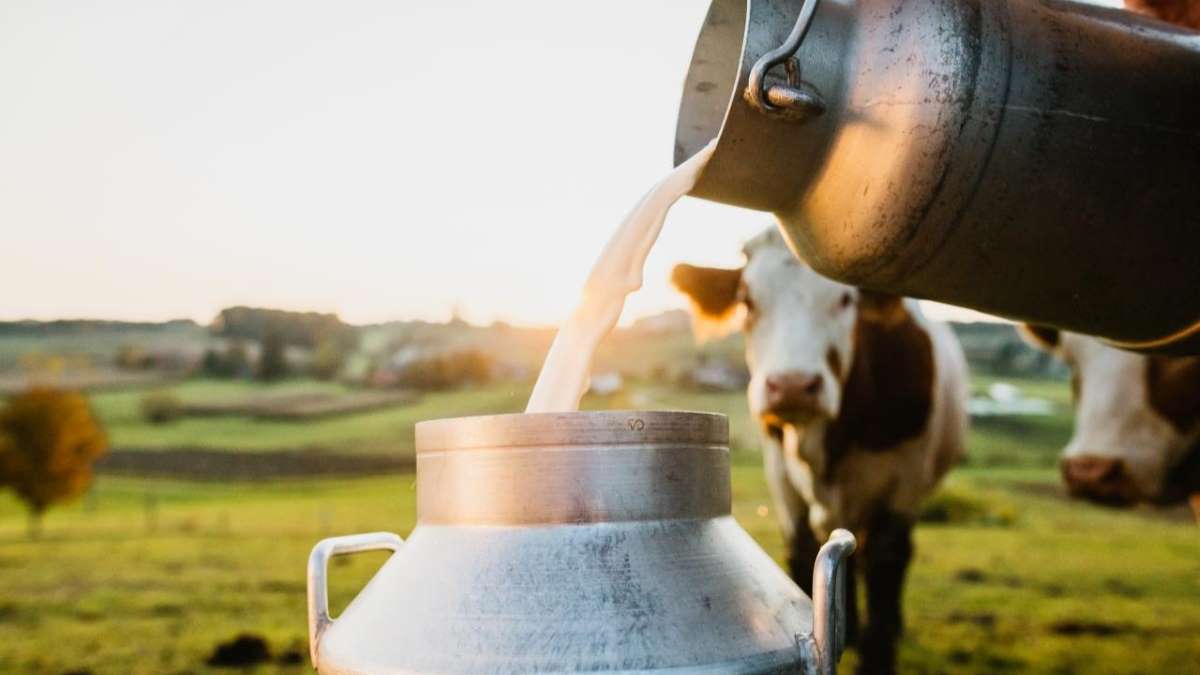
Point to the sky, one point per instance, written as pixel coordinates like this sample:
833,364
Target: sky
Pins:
378,159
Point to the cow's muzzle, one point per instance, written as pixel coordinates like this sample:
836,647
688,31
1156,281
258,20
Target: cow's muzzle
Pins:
1104,480
794,396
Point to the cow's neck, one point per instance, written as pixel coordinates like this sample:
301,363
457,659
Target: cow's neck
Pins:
888,394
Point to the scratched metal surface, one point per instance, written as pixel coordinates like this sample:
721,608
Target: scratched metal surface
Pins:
616,553
1030,158
623,597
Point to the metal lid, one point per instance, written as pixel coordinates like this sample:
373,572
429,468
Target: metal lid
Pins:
581,467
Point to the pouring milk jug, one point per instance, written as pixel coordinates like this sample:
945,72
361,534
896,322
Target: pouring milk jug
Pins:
1029,158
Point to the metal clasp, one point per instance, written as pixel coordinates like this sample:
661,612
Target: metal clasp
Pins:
797,100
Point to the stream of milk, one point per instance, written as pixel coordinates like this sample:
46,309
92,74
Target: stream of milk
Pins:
616,274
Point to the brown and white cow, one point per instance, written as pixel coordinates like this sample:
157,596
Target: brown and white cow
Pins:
1137,421
862,404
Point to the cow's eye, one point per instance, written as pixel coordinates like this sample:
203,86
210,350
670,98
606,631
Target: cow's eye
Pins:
846,300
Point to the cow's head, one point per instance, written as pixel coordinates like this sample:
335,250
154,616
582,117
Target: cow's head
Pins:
818,350
799,327
1137,421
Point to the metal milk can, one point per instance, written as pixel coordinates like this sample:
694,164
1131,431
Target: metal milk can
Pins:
578,542
1036,159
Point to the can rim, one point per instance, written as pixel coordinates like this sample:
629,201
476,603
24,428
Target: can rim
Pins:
574,429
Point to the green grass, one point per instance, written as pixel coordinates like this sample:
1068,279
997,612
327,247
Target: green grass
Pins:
146,576
388,430
112,589
1026,441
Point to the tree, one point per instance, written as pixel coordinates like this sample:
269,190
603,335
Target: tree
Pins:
272,362
233,362
237,361
212,365
133,357
298,329
327,359
48,442
446,370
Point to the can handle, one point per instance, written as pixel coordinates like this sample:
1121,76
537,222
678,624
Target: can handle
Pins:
829,599
318,569
798,100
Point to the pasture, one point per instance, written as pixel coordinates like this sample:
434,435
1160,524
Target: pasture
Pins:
384,430
148,575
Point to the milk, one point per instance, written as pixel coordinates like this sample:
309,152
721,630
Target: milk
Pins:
616,274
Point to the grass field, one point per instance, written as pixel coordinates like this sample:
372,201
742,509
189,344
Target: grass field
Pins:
387,430
146,576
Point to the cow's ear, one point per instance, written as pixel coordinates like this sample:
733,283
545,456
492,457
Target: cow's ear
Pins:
1042,337
713,294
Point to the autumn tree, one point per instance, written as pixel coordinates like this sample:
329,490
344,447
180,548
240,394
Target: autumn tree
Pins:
48,442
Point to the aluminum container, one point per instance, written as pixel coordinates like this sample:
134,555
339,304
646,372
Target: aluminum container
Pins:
1035,159
577,542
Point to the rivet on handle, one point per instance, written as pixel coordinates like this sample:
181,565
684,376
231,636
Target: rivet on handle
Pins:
797,100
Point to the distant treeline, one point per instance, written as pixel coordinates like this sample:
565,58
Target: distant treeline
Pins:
662,340
299,329
85,326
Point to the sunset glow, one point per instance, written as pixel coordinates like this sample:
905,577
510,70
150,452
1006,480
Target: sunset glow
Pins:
381,160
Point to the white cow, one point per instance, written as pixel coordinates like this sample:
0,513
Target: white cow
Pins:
1137,422
862,403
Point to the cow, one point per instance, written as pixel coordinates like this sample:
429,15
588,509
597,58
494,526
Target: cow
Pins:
862,405
1137,422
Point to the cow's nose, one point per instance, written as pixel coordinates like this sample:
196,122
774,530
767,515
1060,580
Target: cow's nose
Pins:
1105,480
794,391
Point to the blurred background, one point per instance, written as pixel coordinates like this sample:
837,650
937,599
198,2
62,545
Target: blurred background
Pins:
246,247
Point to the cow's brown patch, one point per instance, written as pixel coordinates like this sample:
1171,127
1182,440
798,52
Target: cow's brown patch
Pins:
712,290
1173,389
1179,12
888,395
